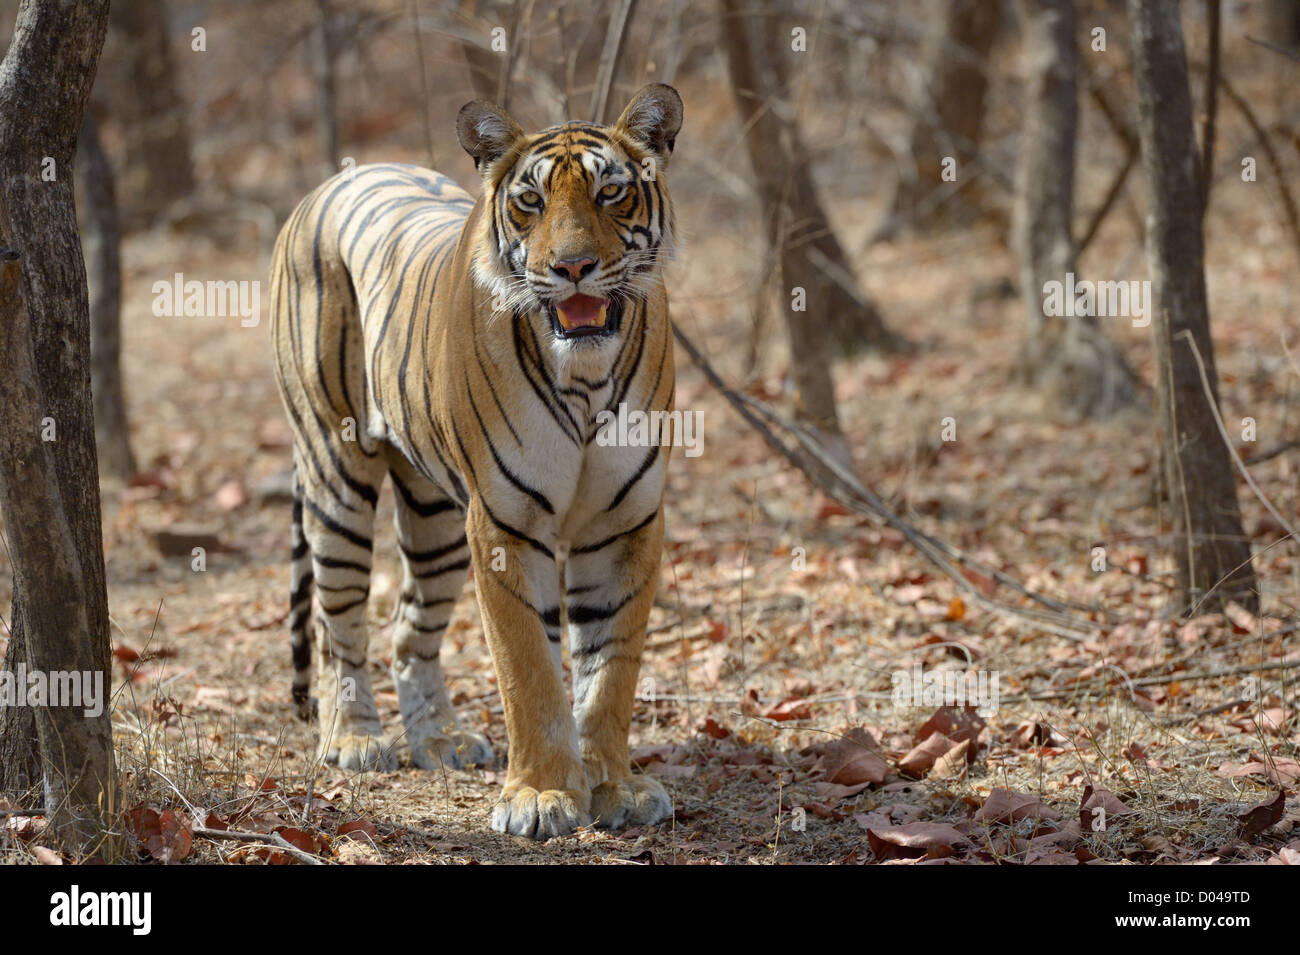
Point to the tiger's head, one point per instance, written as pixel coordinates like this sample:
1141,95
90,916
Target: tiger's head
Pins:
579,222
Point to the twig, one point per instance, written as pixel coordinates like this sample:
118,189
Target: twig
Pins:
609,58
1125,135
24,812
1218,420
1272,453
1289,54
273,838
1279,175
1164,679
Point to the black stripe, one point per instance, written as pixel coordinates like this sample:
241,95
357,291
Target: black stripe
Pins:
445,569
336,528
632,481
592,548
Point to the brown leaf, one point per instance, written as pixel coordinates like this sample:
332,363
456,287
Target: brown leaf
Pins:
1282,771
854,758
956,724
923,756
714,730
1032,733
166,836
953,764
358,829
1097,806
791,708
916,839
299,839
1005,805
1263,816
46,856
838,791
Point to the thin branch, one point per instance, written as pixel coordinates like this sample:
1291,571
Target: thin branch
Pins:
1289,54
1279,175
273,838
609,58
1272,453
1227,441
424,86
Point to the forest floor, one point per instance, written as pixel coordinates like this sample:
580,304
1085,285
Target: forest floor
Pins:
782,620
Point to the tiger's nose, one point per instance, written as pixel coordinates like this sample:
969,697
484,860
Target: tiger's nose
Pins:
574,269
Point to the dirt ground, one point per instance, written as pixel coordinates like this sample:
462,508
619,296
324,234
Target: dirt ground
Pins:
782,619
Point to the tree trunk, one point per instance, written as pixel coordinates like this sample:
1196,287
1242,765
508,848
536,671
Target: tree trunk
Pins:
947,113
103,233
1211,549
49,489
156,169
811,257
1067,355
1282,19
323,53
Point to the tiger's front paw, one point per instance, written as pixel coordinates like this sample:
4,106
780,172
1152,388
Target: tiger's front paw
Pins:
541,815
361,753
635,801
455,749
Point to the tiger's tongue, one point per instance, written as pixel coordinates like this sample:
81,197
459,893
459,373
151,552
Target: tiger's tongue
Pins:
582,311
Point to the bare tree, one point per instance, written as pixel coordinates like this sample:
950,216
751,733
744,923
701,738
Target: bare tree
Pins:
146,98
49,489
811,258
1066,354
1211,549
947,112
96,185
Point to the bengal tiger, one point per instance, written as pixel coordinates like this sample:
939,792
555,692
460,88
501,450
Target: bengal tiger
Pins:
465,348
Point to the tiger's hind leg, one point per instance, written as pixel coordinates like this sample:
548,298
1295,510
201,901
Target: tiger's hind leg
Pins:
435,559
338,523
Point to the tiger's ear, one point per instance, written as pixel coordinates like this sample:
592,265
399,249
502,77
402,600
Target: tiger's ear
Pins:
654,117
486,132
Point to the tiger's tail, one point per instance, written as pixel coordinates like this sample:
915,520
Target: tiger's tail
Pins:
302,581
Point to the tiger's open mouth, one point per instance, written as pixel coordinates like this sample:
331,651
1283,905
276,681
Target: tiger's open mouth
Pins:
582,316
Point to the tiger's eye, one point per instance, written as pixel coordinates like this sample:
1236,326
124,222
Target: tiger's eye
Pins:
610,191
529,198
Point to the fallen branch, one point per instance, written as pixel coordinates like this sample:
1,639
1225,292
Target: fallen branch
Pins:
1093,689
273,838
820,467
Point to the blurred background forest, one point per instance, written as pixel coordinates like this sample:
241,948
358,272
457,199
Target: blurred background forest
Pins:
917,170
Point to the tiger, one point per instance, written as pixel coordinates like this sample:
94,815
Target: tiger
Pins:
465,349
